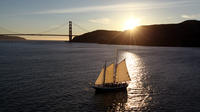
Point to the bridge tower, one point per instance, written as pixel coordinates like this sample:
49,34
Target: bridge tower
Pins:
70,30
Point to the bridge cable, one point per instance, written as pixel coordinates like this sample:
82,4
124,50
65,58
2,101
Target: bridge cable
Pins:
52,29
83,29
9,31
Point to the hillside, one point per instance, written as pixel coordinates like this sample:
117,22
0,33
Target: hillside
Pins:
186,33
4,37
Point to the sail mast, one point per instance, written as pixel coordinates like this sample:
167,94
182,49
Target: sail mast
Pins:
115,67
104,73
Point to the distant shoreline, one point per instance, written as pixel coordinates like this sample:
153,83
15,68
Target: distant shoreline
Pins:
11,38
91,43
184,34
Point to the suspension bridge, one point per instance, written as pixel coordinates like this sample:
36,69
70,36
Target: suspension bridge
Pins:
45,33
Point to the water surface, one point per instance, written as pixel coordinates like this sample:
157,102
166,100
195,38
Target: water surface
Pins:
57,76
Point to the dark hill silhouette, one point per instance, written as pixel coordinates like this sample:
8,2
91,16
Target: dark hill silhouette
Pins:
4,37
186,33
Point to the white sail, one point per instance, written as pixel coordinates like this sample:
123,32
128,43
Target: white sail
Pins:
109,74
100,79
122,72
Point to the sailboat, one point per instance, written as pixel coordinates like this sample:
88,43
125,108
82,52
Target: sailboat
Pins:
113,77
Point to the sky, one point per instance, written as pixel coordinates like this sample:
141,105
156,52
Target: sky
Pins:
52,16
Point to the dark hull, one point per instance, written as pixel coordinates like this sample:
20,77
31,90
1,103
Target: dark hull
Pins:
104,88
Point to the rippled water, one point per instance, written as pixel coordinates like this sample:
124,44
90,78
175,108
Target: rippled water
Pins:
57,76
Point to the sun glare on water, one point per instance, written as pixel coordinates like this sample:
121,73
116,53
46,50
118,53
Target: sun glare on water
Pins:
131,24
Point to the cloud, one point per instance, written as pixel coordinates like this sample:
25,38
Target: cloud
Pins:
185,16
193,16
100,20
117,7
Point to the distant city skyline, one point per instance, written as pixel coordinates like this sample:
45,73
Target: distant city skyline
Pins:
35,16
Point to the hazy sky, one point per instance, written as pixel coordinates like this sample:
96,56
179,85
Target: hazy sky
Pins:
37,16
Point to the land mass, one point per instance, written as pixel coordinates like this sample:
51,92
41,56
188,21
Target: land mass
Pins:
186,33
5,37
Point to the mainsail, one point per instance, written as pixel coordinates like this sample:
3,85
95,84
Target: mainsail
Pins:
122,72
109,74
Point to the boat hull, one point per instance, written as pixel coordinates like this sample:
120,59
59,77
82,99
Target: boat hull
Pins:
110,88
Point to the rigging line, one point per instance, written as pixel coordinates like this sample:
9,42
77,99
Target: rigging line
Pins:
53,29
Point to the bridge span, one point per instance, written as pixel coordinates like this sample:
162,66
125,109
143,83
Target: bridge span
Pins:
70,35
35,35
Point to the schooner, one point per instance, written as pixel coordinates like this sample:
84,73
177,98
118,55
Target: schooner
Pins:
113,77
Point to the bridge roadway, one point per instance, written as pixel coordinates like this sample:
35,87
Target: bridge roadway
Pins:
35,35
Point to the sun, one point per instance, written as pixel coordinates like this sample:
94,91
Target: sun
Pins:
131,24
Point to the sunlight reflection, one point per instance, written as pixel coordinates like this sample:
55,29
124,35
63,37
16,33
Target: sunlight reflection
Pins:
138,96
